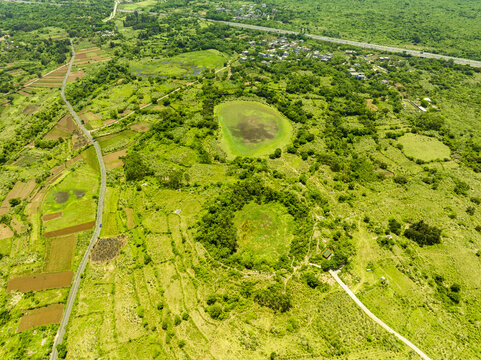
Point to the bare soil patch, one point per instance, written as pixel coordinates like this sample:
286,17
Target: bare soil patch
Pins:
78,140
113,160
371,106
251,130
79,193
70,230
141,127
89,116
52,216
74,160
106,249
40,282
60,253
23,93
61,197
75,75
5,232
31,319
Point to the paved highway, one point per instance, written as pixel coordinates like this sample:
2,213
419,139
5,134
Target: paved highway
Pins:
422,54
98,224
372,316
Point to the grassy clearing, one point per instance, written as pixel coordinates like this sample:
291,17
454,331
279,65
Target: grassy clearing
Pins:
60,253
249,128
191,63
77,203
424,148
117,141
110,216
264,231
141,5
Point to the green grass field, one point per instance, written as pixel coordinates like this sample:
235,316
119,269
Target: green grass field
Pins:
75,210
116,141
264,231
423,147
250,128
191,63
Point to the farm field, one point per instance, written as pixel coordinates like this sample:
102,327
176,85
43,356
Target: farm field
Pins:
424,148
251,128
39,317
40,282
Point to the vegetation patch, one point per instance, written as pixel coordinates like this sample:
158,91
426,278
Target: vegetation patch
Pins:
60,253
264,231
47,315
106,249
250,128
191,63
424,148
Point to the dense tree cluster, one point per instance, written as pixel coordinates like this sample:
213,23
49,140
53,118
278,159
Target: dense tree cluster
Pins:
275,297
423,233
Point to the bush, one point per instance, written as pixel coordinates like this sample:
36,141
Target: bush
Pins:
399,179
14,202
311,280
394,226
423,233
62,351
274,297
461,188
215,311
134,167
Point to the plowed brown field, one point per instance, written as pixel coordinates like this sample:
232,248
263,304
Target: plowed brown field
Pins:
70,230
52,216
51,314
40,282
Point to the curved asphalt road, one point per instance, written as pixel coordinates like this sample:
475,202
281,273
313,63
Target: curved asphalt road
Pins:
372,316
422,54
76,283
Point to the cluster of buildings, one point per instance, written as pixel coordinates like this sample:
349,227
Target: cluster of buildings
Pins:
247,12
357,75
281,49
317,55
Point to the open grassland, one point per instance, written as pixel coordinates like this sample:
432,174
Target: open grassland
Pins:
186,64
251,128
74,197
139,6
111,143
60,252
264,231
424,148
